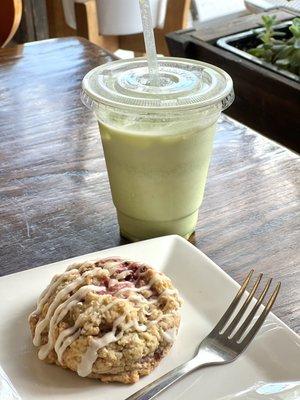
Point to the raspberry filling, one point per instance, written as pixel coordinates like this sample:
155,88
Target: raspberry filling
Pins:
126,275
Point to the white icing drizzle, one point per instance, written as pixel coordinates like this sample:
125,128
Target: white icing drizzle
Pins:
73,266
56,280
170,335
140,289
169,292
112,266
162,316
58,299
66,343
139,327
67,336
132,289
139,298
90,356
57,304
63,302
123,274
60,312
43,323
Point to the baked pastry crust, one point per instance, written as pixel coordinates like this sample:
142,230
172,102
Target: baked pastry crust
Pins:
111,319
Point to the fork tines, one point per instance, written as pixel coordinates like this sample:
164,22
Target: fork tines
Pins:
238,335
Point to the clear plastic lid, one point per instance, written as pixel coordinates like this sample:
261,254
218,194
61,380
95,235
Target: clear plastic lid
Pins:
184,84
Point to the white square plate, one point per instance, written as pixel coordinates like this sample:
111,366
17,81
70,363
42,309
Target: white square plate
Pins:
269,369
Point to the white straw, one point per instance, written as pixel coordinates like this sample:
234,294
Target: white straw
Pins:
149,41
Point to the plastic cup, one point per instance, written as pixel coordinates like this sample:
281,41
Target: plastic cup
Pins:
157,141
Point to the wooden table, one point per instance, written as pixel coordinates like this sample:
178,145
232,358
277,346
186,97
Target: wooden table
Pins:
55,200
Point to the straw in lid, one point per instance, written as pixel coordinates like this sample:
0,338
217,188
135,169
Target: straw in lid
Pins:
184,84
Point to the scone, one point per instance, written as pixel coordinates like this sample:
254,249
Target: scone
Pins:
112,319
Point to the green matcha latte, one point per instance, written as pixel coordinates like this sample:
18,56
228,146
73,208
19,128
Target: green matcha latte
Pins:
157,141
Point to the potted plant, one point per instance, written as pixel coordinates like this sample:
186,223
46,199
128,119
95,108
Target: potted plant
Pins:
274,46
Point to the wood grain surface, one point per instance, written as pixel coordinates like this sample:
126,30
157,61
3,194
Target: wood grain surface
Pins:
225,26
55,200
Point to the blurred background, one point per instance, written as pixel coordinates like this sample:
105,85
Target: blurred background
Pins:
265,66
33,20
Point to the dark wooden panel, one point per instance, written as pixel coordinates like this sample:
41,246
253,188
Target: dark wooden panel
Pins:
55,201
34,22
26,32
39,12
56,18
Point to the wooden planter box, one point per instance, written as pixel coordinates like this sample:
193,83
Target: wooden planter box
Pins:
265,100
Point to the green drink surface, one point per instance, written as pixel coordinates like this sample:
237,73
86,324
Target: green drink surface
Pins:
154,176
157,139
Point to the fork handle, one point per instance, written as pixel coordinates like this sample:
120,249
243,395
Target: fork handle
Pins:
154,388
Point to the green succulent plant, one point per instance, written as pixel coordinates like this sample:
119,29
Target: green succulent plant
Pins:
276,48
